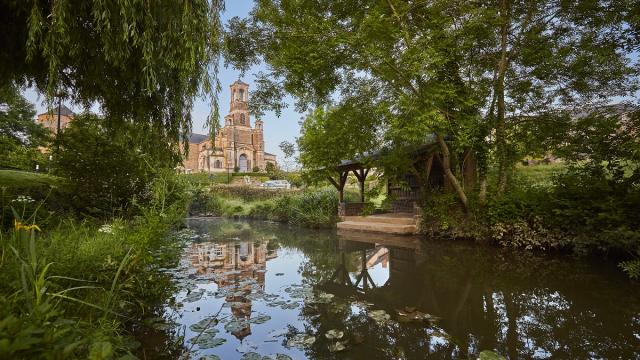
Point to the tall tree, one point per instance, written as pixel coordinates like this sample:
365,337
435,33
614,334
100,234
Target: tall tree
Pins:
549,54
458,69
141,61
20,136
411,54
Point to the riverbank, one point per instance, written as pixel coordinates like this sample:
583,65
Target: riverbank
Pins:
551,209
77,287
311,207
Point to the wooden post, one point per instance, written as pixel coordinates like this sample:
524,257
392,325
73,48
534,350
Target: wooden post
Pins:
343,181
340,184
361,174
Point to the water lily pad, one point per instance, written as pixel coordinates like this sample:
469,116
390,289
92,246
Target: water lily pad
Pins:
415,316
194,296
299,291
236,325
277,303
207,340
206,323
251,356
301,341
209,357
291,305
260,319
337,346
334,334
324,298
379,316
490,355
246,347
283,357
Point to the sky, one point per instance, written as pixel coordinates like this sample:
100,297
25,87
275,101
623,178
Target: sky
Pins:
276,130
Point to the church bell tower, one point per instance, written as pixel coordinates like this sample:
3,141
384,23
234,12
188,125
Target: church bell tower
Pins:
239,107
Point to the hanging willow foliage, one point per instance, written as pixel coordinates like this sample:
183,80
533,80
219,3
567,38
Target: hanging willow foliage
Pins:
142,61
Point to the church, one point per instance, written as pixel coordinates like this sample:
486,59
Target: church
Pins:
237,146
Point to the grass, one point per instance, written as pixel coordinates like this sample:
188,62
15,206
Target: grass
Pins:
73,289
309,207
24,179
539,175
204,179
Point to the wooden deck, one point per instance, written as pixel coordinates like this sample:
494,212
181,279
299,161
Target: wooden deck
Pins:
393,223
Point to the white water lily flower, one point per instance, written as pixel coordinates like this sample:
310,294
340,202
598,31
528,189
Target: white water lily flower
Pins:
25,199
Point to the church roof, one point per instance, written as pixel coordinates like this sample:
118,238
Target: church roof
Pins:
239,82
64,111
197,138
270,154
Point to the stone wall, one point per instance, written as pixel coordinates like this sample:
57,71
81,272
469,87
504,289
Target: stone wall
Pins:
351,209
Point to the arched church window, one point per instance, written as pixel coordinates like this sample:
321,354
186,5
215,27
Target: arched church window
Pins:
242,119
218,164
242,95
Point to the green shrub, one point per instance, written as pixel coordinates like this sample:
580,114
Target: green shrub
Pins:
104,168
20,136
265,210
38,195
312,209
249,193
72,286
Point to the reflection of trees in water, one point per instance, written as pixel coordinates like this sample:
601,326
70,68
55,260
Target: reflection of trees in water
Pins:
521,305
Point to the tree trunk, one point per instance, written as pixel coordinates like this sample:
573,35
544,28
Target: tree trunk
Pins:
446,165
501,145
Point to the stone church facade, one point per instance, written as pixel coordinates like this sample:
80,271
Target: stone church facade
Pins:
238,144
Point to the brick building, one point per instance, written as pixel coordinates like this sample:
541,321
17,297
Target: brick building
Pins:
238,144
49,119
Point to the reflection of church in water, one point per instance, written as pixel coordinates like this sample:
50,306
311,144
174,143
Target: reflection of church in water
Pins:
238,266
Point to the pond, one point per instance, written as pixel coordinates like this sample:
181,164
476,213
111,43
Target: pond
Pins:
259,290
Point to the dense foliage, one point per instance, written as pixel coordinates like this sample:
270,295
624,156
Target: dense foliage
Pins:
73,290
315,208
108,170
140,61
20,136
475,72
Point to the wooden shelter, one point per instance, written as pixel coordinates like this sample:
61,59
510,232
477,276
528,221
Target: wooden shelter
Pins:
405,189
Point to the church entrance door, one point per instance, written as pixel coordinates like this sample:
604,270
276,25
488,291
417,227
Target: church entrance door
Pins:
244,167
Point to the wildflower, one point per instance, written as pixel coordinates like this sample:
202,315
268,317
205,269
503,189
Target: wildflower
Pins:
107,229
26,199
20,226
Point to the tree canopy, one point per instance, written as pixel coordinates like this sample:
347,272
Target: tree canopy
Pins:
456,68
141,61
20,136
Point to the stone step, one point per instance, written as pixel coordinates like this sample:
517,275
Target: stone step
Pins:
401,229
405,220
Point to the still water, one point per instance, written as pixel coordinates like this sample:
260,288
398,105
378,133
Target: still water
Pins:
258,290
